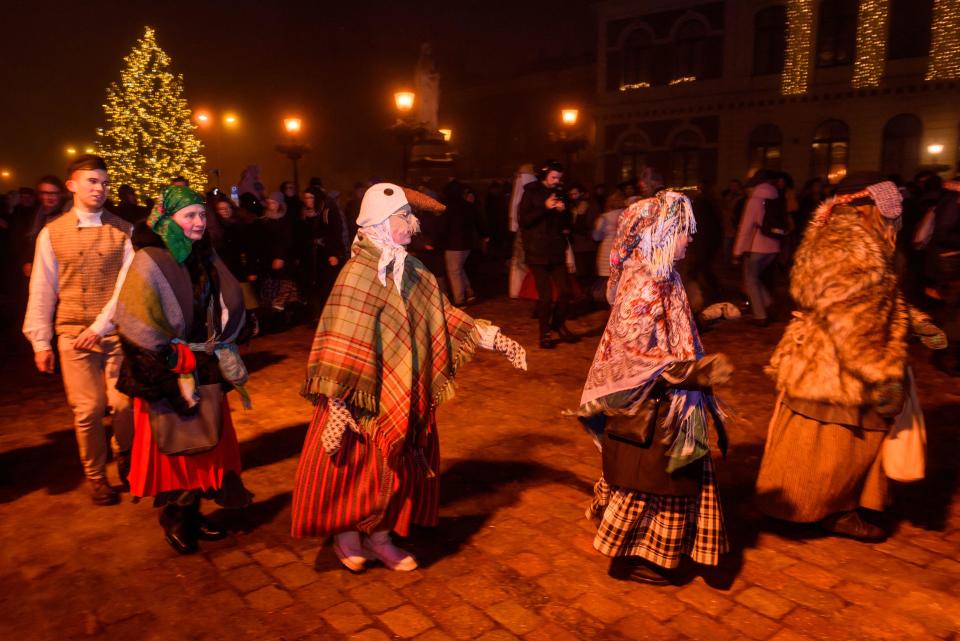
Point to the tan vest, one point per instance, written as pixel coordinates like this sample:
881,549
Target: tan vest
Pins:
89,260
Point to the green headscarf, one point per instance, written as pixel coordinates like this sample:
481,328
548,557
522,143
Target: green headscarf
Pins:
173,199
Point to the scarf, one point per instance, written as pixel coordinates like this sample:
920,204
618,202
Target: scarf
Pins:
391,253
160,221
391,355
650,327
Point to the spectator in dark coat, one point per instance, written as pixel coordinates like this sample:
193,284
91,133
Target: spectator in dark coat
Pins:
462,232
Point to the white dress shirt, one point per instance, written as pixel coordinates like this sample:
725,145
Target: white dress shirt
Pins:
45,287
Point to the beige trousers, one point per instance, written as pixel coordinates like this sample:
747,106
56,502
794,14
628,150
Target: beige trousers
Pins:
90,380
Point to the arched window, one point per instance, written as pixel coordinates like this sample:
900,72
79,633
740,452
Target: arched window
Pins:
769,40
633,155
637,60
688,49
902,136
685,152
830,151
765,146
836,33
910,27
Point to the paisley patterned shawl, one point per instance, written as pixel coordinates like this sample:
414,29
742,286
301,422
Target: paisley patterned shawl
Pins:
651,324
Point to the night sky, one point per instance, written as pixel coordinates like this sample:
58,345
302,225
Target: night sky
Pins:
336,66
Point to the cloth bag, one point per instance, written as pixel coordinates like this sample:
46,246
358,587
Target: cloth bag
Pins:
177,435
904,449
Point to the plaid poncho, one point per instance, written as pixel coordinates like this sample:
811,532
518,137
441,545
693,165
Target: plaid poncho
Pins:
391,359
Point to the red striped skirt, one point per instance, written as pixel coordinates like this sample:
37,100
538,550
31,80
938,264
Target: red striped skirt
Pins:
152,472
356,489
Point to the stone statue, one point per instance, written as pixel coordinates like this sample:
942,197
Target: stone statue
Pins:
427,88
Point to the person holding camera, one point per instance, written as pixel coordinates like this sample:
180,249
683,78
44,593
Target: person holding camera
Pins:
544,226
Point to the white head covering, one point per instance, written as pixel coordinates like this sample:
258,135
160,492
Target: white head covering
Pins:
379,203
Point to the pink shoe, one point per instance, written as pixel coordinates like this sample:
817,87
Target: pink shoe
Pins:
346,546
379,545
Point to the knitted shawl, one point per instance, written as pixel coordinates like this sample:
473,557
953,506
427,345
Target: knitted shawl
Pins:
390,356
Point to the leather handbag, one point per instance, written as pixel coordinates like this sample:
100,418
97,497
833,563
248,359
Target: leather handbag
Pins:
178,435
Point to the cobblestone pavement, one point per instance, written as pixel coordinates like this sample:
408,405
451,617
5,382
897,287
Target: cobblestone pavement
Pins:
512,557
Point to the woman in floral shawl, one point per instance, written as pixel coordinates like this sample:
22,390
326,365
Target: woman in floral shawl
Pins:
386,351
648,403
179,314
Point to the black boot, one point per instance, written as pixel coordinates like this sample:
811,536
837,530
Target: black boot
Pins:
547,341
123,469
202,528
636,569
177,529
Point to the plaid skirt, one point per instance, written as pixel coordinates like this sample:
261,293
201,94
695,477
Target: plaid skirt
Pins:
661,528
277,293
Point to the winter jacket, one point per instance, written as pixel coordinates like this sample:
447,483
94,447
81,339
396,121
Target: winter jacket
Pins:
542,230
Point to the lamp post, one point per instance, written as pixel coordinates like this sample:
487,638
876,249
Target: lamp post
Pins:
570,138
206,122
293,148
405,129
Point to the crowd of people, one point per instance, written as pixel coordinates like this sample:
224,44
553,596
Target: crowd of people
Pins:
146,305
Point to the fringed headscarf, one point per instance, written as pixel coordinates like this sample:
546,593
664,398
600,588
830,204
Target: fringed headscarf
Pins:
160,221
391,252
656,231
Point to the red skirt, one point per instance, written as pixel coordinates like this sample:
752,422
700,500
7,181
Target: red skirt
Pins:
356,489
152,472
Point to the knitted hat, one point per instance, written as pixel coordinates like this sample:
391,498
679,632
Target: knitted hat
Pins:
385,199
173,199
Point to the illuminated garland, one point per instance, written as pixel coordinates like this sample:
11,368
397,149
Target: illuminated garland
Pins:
149,137
796,67
871,43
945,45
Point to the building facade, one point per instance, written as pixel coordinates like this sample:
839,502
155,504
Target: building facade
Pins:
707,91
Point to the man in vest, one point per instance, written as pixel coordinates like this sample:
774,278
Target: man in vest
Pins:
78,267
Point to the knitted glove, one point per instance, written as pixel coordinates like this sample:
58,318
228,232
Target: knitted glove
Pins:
930,335
887,397
512,350
338,420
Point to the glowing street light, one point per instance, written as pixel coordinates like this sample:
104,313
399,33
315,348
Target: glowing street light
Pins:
569,116
71,151
404,101
292,125
230,120
447,134
935,149
203,118
5,174
88,150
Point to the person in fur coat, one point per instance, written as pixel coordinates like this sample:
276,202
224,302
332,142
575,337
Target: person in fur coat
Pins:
841,367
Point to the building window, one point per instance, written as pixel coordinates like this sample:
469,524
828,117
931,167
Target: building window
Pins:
769,40
685,155
633,156
836,33
765,146
831,151
902,137
637,63
688,49
910,22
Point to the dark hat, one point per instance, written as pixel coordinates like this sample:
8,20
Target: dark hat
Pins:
760,176
858,181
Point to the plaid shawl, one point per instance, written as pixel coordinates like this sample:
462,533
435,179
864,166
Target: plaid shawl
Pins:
391,357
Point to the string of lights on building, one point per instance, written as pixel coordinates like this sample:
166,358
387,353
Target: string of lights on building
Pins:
945,44
796,67
872,20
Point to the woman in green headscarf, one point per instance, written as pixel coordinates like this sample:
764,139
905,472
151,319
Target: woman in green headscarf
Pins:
179,315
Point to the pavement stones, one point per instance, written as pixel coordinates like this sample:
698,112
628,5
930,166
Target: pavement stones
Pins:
512,558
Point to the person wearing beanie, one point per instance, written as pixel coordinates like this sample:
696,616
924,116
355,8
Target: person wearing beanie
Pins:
648,402
179,316
386,351
847,416
77,269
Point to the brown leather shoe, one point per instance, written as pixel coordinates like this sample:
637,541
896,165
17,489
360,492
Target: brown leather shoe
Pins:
851,525
103,493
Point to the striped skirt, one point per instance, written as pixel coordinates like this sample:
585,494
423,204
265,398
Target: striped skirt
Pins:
812,469
357,489
661,528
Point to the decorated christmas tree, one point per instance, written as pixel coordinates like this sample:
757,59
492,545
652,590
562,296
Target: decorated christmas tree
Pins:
149,137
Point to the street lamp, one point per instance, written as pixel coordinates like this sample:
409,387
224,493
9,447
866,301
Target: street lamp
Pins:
570,137
935,149
569,116
71,151
447,134
404,101
230,120
5,174
293,149
88,150
205,120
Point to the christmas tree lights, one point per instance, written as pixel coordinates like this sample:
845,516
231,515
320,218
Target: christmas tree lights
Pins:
945,44
148,138
871,43
796,67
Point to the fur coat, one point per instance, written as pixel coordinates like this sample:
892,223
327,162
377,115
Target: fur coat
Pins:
850,332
